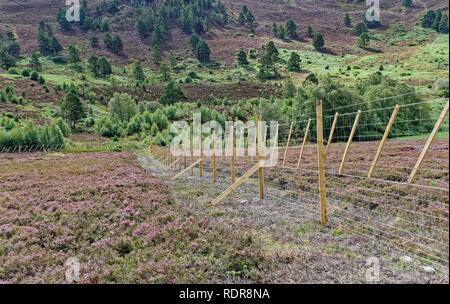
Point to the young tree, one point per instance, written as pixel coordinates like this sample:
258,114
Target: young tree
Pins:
310,31
164,71
100,67
428,19
242,58
271,50
35,63
360,28
348,20
363,40
289,89
437,21
291,29
62,20
104,25
104,68
94,41
246,18
407,3
122,107
318,41
138,72
203,52
74,55
294,62
193,41
172,94
267,62
72,108
34,76
116,45
443,25
6,60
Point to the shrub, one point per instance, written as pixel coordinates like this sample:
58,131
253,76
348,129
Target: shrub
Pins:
26,73
34,76
105,127
41,79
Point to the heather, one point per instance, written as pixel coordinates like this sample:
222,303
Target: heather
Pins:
118,220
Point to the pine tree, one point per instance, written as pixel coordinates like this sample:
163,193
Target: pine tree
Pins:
291,29
437,21
318,41
267,62
294,62
428,19
275,29
104,25
94,41
6,60
203,52
104,68
116,45
164,71
443,25
242,58
348,20
107,41
310,31
74,55
172,94
35,63
360,28
289,89
193,41
363,40
62,20
246,18
138,72
72,108
407,3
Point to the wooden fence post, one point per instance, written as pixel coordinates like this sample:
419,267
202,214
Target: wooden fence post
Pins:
430,141
260,157
200,165
305,138
333,128
321,165
233,156
288,142
350,139
383,141
214,164
192,152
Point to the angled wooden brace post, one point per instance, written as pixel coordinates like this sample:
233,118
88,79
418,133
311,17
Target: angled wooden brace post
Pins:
187,169
174,163
288,142
239,182
333,128
350,139
430,141
383,141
